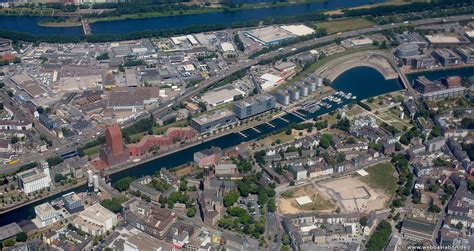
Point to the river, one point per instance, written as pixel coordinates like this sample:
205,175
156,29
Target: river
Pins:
363,82
29,24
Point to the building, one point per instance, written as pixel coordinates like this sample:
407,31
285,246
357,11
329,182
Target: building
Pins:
298,30
446,41
446,57
152,143
142,241
27,84
434,144
113,152
150,219
416,230
467,54
45,215
226,169
253,105
423,61
133,99
298,172
283,97
207,157
407,50
9,231
72,202
213,121
34,179
222,96
95,220
141,186
269,35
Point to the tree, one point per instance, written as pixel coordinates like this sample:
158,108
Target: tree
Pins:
459,226
59,177
114,204
123,183
363,221
191,212
271,206
14,140
9,242
285,240
262,197
230,199
380,237
21,237
326,140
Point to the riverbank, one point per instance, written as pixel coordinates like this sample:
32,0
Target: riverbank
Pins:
417,72
64,24
79,184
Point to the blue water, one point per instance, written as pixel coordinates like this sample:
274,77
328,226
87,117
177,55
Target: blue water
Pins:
363,82
30,24
437,75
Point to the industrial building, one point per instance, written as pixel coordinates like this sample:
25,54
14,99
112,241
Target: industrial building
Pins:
9,231
446,57
222,96
283,97
27,84
269,35
34,179
252,106
213,121
269,81
446,41
95,220
298,30
294,93
133,99
411,38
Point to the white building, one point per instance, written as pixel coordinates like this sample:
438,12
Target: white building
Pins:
34,179
45,215
299,172
95,220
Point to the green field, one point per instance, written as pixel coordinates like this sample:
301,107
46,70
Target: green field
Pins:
381,176
336,26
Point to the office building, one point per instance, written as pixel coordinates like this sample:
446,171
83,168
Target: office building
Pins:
446,57
45,215
34,179
9,231
72,202
467,54
254,105
113,152
95,220
213,121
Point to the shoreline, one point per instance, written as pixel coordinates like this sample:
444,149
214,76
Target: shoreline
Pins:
79,184
439,69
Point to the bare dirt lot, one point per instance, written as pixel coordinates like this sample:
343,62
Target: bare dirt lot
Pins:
353,195
287,203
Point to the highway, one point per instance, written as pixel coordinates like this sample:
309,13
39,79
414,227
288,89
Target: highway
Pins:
166,106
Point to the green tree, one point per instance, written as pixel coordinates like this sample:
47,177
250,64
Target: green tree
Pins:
9,242
379,239
459,225
191,212
230,199
21,237
123,184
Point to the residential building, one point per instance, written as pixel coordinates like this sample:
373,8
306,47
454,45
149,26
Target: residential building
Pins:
207,157
298,172
151,219
416,230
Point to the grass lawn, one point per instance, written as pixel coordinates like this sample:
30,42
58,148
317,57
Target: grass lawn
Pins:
92,151
381,176
336,26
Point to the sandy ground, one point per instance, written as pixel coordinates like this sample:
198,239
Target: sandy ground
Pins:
320,202
354,195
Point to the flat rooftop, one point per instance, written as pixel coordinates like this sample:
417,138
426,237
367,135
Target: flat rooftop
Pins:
298,30
221,96
437,39
9,230
207,118
270,34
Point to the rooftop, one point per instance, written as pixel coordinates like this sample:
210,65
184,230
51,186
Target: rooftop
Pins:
217,115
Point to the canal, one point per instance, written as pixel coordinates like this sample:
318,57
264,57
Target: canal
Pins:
363,82
29,24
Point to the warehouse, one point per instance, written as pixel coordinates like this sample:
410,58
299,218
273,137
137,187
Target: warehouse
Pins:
133,99
269,81
269,35
298,30
215,98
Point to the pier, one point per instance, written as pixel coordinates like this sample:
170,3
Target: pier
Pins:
86,27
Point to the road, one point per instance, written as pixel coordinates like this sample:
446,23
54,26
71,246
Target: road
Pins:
166,106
